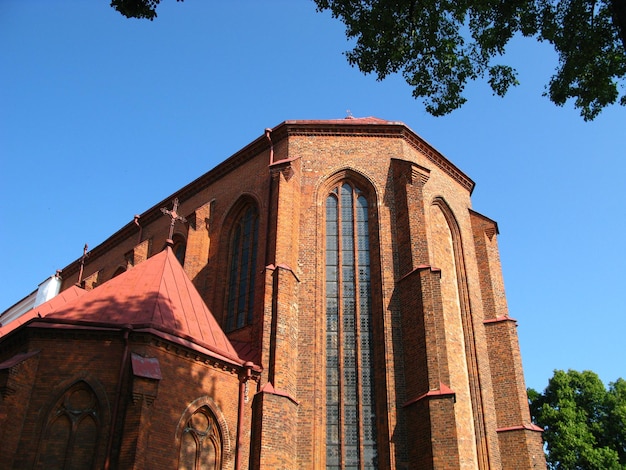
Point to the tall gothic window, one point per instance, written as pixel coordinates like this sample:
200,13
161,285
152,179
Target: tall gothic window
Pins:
201,444
350,413
242,268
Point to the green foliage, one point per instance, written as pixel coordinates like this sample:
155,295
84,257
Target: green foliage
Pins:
439,45
591,54
584,423
142,9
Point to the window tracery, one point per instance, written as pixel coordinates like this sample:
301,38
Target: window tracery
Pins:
350,407
201,443
72,430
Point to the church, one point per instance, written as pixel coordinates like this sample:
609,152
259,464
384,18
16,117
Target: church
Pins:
326,297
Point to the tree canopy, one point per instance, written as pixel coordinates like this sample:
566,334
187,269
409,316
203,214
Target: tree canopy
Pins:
440,45
584,423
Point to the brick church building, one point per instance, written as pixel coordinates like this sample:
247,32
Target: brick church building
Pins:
324,298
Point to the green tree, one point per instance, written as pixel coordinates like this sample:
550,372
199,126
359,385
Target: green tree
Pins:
440,45
584,423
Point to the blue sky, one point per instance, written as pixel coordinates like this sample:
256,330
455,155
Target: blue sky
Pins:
102,117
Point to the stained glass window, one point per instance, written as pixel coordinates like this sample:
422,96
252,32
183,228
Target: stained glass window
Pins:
350,416
243,252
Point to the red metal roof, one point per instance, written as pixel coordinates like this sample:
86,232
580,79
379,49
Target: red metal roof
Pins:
156,296
42,310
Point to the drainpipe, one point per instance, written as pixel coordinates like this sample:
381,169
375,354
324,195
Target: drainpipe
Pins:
136,220
118,397
243,381
268,228
268,133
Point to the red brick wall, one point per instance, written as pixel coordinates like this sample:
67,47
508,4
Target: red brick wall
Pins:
146,429
16,384
66,357
404,177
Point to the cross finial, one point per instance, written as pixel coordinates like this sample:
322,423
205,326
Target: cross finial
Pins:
82,263
174,216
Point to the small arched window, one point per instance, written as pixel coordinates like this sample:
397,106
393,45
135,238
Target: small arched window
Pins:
179,248
242,268
201,443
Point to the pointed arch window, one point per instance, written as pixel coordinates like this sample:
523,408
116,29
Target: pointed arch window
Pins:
242,268
179,248
350,407
72,430
201,444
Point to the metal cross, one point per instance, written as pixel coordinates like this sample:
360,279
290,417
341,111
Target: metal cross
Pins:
82,263
174,216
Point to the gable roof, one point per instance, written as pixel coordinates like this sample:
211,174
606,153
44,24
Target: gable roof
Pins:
154,296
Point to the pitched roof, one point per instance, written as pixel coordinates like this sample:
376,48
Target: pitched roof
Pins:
155,296
42,310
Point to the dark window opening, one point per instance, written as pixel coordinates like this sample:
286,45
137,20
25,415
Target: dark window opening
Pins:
242,269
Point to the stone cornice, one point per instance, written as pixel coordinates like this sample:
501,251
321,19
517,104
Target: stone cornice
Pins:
359,128
56,328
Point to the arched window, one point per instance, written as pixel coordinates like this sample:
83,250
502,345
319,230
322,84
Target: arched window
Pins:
72,430
179,248
200,443
350,410
242,268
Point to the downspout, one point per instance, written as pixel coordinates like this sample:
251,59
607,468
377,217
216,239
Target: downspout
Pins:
268,133
136,220
243,381
268,261
118,397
